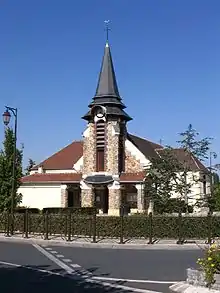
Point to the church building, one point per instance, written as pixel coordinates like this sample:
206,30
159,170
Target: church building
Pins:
108,163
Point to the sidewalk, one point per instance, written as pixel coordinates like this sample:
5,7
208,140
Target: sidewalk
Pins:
105,242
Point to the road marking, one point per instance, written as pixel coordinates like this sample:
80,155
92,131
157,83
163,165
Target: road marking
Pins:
60,255
75,265
53,251
134,281
47,248
67,260
70,271
54,259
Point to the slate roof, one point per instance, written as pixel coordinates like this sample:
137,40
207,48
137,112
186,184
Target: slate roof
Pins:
107,84
107,93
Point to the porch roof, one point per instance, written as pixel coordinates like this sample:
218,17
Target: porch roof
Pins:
74,177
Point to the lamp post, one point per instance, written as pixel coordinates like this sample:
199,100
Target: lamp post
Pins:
6,119
212,155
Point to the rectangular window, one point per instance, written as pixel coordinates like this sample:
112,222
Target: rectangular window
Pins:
100,160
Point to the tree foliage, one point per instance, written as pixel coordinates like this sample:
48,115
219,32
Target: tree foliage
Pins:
31,164
6,167
168,174
165,176
189,140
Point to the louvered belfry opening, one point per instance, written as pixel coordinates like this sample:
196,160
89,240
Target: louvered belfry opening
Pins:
100,145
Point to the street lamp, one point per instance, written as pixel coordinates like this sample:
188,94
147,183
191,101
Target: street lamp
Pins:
6,119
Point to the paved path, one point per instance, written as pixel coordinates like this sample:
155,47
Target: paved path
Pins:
81,268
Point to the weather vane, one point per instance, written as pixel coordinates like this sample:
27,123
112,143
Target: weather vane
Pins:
107,28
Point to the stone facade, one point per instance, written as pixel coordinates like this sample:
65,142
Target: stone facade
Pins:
114,201
89,149
64,196
132,165
112,140
86,198
140,197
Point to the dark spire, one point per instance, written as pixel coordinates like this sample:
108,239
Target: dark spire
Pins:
107,84
107,93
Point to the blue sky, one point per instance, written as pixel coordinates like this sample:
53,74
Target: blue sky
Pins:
165,53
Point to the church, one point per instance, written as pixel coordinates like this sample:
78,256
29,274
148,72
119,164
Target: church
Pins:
108,165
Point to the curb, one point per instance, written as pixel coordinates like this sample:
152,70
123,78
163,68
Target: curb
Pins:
85,244
183,287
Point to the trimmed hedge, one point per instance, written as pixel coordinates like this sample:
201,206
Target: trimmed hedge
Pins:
73,224
81,211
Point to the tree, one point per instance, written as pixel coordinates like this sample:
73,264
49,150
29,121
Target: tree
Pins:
197,147
165,176
6,164
30,165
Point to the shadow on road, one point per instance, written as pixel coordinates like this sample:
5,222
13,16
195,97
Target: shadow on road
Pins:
21,279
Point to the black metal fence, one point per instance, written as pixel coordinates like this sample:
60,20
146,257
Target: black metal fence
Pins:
70,226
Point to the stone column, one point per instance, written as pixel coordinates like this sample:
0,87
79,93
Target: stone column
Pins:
114,195
140,198
86,195
64,195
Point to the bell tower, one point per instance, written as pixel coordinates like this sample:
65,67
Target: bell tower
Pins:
104,137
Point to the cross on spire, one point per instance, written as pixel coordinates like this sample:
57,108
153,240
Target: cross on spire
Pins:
107,29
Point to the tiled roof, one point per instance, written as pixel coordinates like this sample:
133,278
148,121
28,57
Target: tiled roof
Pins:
132,177
187,159
74,177
63,159
68,156
52,177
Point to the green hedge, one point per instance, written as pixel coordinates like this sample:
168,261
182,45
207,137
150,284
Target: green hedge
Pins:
138,226
81,211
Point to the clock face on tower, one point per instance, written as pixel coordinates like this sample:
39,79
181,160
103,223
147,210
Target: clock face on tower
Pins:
99,112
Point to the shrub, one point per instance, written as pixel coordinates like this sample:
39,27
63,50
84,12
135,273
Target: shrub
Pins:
80,211
172,205
22,210
210,263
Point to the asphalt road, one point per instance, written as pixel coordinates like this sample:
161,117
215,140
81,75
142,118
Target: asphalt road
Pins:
24,267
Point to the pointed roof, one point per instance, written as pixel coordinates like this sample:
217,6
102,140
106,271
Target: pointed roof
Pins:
107,93
107,84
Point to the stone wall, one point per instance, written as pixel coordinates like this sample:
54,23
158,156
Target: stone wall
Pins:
114,201
132,165
86,198
89,150
111,158
64,197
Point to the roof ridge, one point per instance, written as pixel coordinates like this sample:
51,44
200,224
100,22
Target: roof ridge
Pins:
143,138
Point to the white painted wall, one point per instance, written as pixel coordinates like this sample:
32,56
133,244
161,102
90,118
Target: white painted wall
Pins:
134,151
41,195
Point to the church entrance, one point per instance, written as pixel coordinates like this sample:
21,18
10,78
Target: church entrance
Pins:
101,198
